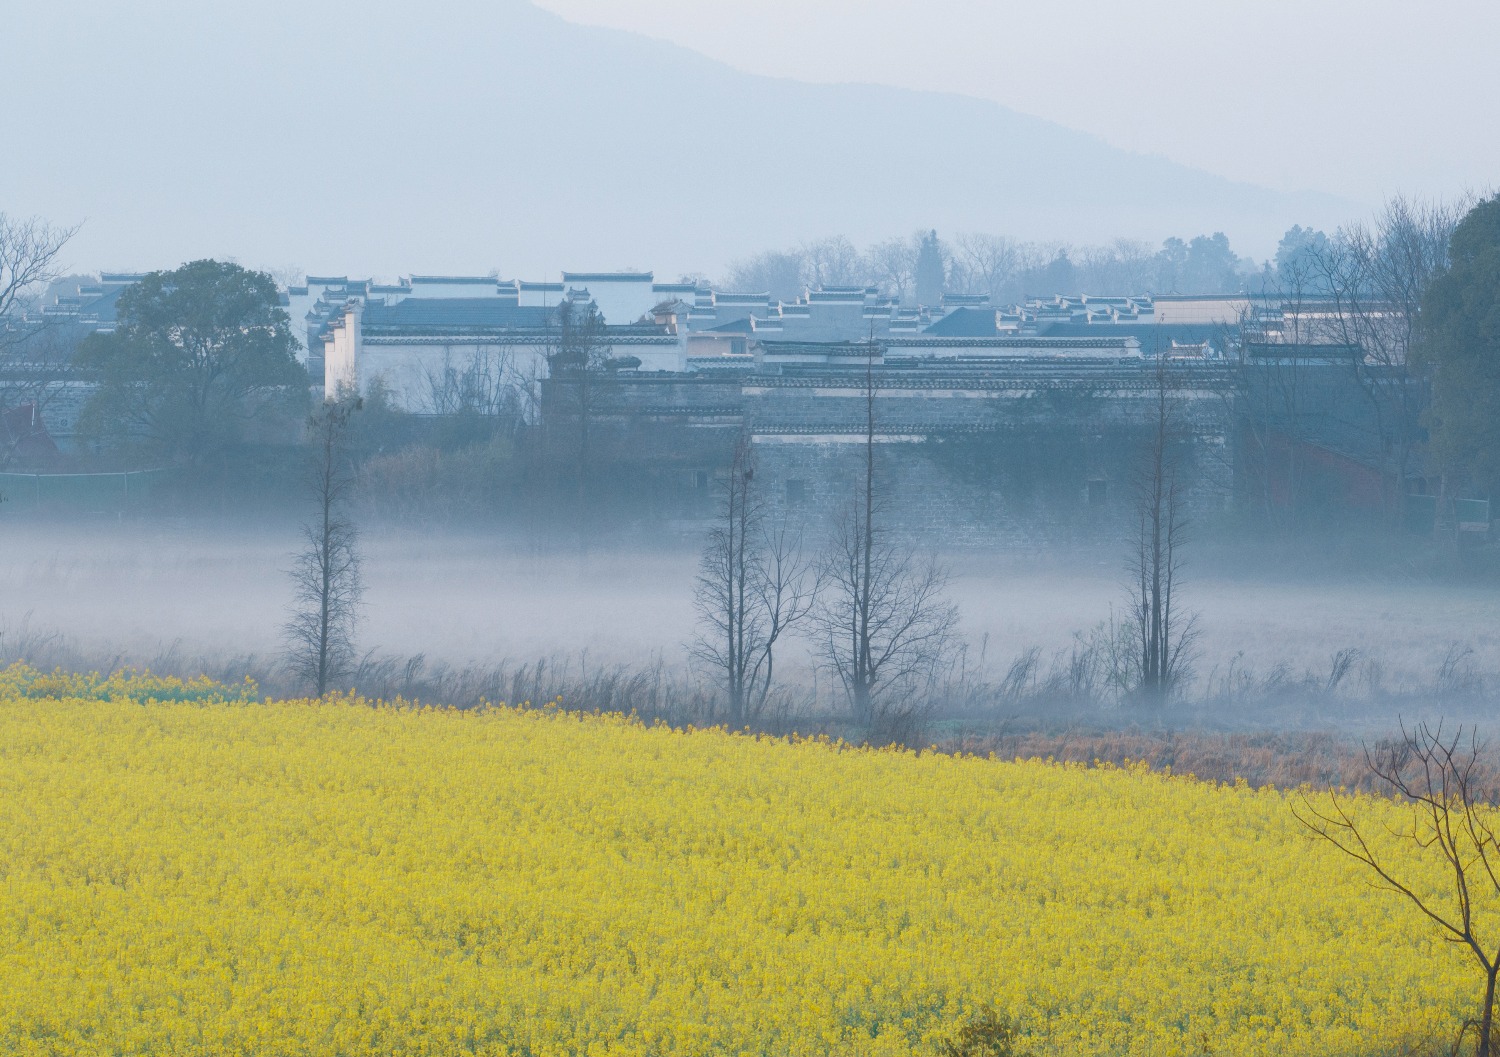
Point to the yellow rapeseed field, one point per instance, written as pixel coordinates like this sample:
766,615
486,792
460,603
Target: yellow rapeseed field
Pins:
188,870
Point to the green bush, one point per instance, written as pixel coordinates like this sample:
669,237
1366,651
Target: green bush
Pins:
985,1034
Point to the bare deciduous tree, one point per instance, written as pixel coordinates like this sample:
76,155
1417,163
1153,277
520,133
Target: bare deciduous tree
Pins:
985,264
753,587
1163,632
834,261
30,353
33,375
326,574
782,275
893,266
478,396
29,251
481,384
1375,276
1449,784
882,619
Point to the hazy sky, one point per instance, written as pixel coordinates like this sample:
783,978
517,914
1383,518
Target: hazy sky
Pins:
381,137
1360,98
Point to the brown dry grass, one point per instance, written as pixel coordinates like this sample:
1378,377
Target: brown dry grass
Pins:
1285,759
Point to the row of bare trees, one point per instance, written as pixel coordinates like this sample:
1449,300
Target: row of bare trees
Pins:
873,606
486,383
1376,275
871,603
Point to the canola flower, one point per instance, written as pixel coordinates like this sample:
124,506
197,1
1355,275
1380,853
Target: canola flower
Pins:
188,871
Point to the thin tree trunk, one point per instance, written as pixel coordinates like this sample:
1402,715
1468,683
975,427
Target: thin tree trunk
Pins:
738,575
327,573
1487,1018
863,703
583,439
325,616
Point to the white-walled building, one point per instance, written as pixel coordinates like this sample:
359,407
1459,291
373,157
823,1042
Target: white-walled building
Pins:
621,297
410,332
415,333
419,347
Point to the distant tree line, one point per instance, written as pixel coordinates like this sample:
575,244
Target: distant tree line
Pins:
921,268
1393,256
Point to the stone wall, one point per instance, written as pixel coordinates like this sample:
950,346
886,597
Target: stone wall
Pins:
966,454
991,488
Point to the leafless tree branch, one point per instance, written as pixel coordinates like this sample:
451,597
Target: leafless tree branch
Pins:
1448,782
328,586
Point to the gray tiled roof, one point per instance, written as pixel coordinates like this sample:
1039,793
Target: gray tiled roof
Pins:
1152,336
607,277
95,305
495,312
966,323
456,280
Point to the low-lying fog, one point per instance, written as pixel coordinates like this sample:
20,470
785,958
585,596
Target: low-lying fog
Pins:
133,590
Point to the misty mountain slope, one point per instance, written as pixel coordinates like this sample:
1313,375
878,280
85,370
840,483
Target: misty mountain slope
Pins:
384,138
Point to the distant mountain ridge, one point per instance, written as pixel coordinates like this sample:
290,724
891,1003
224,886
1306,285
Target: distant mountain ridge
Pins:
384,138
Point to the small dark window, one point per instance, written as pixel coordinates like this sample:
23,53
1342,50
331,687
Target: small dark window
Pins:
1098,492
796,491
700,480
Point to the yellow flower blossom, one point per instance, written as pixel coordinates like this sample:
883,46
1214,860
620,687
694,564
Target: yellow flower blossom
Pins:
191,871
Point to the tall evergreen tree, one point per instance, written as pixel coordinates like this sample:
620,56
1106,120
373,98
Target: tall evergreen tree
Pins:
1297,256
1458,341
931,271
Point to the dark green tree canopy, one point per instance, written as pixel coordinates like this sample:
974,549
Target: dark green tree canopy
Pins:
200,355
1297,268
1458,341
1211,265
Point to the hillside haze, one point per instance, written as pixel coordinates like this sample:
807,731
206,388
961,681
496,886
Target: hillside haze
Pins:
385,138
